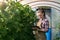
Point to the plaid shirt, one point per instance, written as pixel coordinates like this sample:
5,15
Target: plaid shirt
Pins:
45,24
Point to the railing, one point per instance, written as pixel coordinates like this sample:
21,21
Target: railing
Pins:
52,4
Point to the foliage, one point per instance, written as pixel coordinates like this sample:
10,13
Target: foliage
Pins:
57,37
16,22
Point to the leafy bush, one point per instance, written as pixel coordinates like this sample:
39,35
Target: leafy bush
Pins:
16,22
57,36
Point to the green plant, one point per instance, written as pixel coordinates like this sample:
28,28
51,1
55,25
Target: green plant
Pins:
57,37
16,22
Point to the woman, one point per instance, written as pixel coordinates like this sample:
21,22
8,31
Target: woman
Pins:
42,25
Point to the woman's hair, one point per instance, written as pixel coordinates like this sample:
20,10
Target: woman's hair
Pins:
41,10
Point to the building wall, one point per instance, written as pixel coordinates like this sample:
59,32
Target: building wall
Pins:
55,22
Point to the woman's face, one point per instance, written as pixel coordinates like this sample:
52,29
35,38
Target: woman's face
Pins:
40,14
